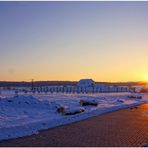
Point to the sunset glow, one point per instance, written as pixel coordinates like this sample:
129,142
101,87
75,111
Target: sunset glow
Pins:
146,79
105,41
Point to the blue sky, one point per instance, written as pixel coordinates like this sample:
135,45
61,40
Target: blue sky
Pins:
106,41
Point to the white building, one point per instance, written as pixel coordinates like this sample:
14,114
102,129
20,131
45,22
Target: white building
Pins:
86,83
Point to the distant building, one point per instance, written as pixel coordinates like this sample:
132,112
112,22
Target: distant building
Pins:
84,86
85,83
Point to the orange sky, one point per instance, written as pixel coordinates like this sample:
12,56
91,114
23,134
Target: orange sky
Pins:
105,41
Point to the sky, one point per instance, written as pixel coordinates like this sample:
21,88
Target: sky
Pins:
105,41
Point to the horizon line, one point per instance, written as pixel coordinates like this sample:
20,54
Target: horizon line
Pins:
73,81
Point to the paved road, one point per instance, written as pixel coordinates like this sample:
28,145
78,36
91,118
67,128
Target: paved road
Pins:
127,127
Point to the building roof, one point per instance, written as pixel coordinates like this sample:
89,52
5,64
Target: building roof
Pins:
86,82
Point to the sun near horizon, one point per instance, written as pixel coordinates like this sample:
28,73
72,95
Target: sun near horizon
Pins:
105,41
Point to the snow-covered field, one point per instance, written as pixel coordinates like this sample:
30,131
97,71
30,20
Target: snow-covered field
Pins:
27,114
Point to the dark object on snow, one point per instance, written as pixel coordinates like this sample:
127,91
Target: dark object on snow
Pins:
121,101
135,97
88,102
73,112
139,97
60,109
68,111
131,96
10,101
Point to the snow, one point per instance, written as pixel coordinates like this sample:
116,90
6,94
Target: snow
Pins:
22,115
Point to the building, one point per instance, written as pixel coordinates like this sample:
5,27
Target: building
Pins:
85,83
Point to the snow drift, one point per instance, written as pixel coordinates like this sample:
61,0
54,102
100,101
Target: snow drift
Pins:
23,115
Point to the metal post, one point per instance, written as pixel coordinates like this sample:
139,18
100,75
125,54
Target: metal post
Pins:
32,86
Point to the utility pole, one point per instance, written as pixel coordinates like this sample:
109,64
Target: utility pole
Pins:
32,86
1,87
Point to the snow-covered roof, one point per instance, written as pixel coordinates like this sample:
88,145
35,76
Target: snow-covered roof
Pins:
86,82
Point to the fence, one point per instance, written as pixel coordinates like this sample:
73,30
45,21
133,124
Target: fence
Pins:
62,89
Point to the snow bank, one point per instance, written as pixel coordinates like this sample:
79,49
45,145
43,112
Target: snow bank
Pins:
26,114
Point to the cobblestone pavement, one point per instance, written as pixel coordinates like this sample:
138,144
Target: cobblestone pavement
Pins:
127,127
